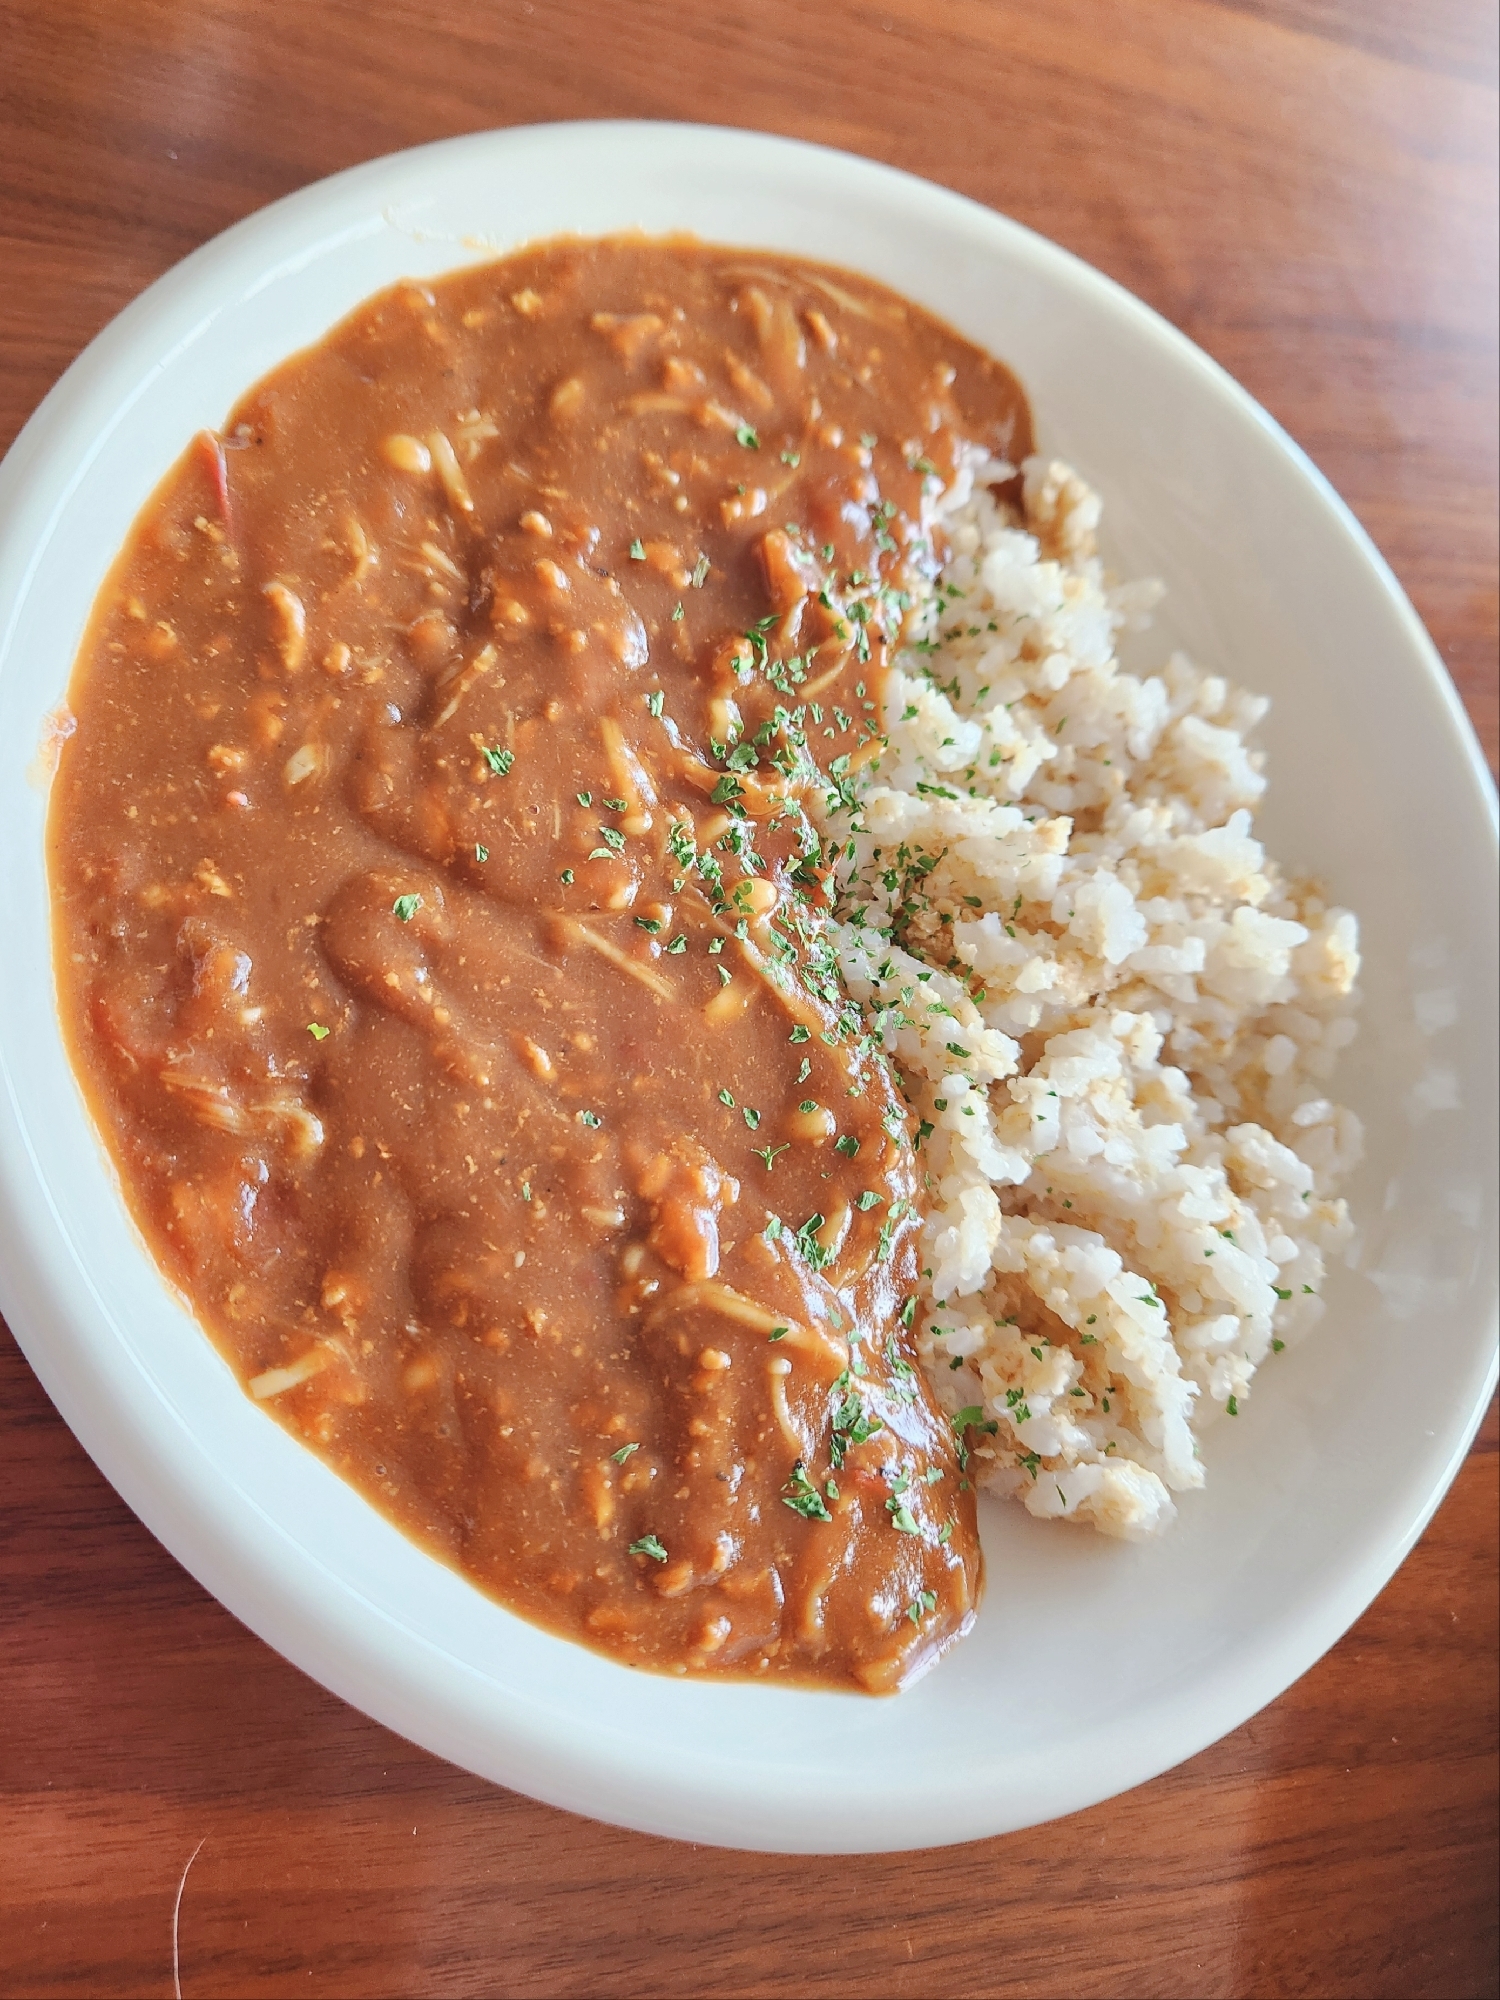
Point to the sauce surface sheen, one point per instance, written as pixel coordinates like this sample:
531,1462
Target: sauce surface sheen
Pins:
438,902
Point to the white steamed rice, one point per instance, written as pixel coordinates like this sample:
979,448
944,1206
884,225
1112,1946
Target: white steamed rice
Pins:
1114,1015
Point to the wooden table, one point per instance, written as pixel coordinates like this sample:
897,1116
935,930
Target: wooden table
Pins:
1305,186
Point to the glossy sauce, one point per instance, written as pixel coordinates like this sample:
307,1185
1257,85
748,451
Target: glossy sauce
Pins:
438,904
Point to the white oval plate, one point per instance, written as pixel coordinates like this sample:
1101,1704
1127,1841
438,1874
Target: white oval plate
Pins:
1094,1666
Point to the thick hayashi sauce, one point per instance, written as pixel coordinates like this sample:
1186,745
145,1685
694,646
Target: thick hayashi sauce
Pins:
438,918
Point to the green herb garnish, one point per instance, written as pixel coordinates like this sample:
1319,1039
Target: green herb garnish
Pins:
802,1496
971,1418
852,1424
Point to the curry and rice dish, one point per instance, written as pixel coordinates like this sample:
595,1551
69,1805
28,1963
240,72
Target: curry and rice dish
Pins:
667,1002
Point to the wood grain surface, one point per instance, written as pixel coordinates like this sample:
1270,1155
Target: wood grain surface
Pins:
1307,187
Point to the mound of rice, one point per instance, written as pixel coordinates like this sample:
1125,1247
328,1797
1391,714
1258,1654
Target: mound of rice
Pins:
1113,1015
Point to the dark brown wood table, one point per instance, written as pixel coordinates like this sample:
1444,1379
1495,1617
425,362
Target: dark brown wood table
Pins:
1307,187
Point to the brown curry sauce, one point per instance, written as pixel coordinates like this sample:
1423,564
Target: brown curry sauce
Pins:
438,901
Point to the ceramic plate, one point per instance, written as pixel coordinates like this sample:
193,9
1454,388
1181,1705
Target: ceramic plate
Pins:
1094,1665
